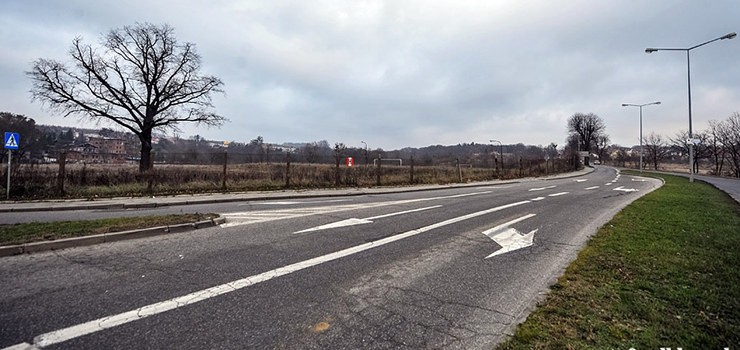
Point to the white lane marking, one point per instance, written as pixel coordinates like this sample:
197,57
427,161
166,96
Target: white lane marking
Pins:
251,217
509,238
103,323
541,188
296,202
558,194
581,180
537,199
621,188
592,187
495,187
609,183
639,180
21,346
355,221
402,212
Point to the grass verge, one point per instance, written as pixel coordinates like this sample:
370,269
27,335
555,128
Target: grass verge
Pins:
664,272
43,231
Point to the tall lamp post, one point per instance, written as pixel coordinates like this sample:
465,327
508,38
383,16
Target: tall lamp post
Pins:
642,105
502,154
365,151
688,65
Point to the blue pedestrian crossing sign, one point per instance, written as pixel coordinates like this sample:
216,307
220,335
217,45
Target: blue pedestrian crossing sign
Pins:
11,140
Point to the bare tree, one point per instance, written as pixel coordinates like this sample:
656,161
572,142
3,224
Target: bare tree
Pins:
717,151
730,137
588,127
601,144
142,79
656,148
680,143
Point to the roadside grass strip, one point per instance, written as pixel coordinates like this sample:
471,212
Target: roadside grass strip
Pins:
45,231
663,273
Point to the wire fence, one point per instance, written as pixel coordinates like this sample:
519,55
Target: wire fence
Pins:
181,173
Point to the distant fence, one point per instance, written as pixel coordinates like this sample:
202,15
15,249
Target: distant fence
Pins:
177,173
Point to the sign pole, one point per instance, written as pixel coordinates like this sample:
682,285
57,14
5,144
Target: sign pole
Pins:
7,196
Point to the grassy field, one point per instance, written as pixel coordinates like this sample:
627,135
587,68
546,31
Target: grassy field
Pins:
106,180
665,272
44,231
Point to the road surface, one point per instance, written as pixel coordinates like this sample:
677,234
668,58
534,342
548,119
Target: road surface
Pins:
440,269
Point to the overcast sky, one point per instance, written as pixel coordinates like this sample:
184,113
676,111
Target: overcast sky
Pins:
414,73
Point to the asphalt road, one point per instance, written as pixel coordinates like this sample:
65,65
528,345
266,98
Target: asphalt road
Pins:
389,271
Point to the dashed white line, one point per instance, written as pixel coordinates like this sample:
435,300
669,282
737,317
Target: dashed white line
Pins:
558,194
592,187
537,199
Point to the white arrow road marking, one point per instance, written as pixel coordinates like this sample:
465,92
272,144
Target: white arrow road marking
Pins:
621,188
508,238
592,187
354,221
581,180
103,323
541,188
558,194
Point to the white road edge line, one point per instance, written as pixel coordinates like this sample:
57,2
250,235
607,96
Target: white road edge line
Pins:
103,323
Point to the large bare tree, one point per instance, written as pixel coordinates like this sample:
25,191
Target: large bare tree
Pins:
587,127
141,79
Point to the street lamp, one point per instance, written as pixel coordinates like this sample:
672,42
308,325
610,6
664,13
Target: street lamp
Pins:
502,154
688,64
365,152
642,105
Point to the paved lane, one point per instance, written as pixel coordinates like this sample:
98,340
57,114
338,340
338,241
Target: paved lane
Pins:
387,271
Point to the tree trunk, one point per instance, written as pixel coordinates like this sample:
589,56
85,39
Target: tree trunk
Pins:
146,150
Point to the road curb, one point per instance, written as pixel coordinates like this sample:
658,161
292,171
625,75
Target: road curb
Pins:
360,192
36,247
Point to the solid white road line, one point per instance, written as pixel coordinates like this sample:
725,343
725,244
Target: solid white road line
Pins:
296,202
402,212
250,217
355,221
103,323
541,188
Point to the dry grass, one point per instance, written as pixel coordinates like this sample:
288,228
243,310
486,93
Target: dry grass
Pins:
105,180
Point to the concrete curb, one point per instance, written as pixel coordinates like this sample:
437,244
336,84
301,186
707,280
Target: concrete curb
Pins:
35,247
206,200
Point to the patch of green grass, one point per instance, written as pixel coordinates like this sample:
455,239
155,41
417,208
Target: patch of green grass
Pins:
664,272
43,231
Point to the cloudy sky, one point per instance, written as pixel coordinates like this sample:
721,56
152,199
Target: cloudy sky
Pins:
414,73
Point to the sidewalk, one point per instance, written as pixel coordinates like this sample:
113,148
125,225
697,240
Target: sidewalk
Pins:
210,198
728,185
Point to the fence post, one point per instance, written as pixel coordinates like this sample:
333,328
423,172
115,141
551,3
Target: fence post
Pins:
411,177
60,179
380,161
520,167
226,161
459,169
287,170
